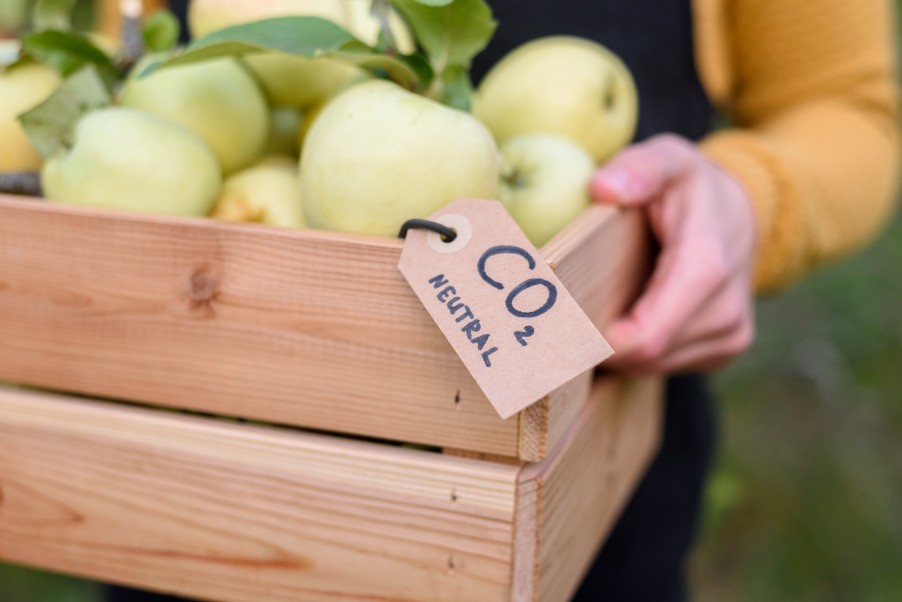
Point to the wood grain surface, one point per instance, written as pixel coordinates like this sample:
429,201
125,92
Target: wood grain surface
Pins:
223,510
235,512
297,327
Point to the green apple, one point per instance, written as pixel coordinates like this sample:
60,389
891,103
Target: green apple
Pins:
21,88
561,85
121,158
378,155
544,183
218,100
267,192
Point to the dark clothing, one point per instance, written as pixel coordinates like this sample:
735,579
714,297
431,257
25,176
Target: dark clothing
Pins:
643,559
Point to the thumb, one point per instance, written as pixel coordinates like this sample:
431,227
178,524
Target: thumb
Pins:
640,172
622,336
616,184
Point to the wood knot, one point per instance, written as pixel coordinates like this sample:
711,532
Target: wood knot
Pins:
203,289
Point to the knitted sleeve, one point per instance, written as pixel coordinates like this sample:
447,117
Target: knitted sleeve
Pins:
810,91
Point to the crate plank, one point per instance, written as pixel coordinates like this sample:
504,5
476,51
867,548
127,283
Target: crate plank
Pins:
229,511
235,512
568,503
296,327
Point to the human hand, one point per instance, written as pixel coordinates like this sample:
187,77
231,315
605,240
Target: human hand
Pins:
696,312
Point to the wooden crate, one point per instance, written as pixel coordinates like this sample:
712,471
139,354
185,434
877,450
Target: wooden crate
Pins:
208,508
301,329
304,328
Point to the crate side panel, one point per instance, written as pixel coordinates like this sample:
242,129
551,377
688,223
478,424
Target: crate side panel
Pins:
604,260
216,510
585,487
294,327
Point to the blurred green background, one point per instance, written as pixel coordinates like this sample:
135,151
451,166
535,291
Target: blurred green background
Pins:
806,499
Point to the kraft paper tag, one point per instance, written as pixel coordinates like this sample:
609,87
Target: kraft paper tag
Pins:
516,329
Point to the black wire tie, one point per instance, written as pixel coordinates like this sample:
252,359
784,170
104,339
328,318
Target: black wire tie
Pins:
447,234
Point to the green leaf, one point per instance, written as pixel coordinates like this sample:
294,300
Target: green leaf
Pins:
420,65
160,32
451,34
51,124
68,53
310,37
52,14
457,88
305,36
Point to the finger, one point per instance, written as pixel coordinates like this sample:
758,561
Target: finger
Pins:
707,355
640,173
717,331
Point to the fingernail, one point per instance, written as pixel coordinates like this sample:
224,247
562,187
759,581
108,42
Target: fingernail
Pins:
616,180
621,336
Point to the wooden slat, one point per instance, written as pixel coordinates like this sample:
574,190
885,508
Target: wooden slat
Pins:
296,327
568,503
234,512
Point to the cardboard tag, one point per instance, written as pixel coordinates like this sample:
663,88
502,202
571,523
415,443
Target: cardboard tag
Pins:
516,329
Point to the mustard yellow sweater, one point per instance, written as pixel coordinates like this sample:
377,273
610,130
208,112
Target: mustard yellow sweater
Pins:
810,90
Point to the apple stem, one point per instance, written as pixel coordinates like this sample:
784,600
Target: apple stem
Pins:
514,177
20,182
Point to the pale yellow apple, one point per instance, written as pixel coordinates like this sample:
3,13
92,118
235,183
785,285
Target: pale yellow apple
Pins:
297,81
122,158
206,16
218,100
286,80
544,183
311,113
378,155
21,89
561,85
267,192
